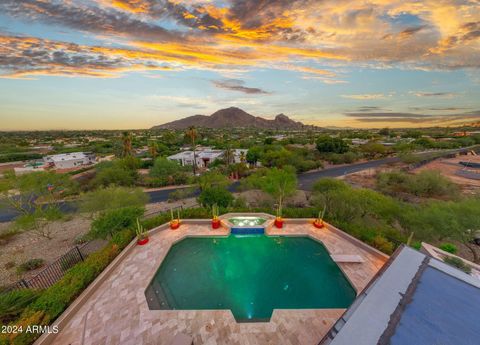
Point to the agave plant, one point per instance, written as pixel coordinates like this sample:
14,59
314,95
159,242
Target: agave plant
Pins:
140,231
215,211
279,210
321,214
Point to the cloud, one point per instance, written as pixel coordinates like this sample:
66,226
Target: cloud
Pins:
92,19
406,117
237,85
368,108
365,96
22,57
434,94
280,34
438,108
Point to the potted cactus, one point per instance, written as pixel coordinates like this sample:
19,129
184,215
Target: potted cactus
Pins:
142,235
215,220
278,219
318,223
174,223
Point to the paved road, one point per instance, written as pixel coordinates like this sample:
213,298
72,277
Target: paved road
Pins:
306,180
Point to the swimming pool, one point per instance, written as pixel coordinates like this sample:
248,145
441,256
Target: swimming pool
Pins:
250,275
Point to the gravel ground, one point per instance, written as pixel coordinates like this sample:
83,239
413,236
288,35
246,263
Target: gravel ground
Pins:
28,245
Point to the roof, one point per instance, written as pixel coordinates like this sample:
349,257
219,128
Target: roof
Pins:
68,156
415,299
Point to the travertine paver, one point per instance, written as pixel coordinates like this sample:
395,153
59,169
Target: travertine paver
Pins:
117,313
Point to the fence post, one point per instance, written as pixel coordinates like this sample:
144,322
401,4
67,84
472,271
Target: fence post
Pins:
24,283
80,253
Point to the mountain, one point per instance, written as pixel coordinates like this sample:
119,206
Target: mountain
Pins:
232,117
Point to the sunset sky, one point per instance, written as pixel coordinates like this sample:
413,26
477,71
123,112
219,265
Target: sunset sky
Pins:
115,64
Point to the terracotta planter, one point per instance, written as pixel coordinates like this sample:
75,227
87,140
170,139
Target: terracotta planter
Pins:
318,224
216,223
142,241
174,225
279,223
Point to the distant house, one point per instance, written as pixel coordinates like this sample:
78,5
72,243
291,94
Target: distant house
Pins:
357,141
70,160
414,299
203,157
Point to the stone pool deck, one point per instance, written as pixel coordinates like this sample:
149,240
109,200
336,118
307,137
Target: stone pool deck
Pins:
116,312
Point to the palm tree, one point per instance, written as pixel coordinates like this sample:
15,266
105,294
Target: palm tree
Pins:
228,156
192,134
153,148
127,144
243,157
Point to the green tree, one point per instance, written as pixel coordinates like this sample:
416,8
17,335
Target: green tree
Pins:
112,197
127,139
115,220
120,172
254,154
165,170
212,179
373,149
327,144
36,197
192,134
153,149
279,183
215,196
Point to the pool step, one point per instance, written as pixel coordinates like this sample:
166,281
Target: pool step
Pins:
343,258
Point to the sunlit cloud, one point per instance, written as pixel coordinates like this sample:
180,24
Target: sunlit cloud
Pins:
277,33
367,96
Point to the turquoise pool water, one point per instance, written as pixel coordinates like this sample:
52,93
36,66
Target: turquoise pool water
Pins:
250,275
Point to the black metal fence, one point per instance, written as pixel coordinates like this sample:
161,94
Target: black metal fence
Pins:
56,270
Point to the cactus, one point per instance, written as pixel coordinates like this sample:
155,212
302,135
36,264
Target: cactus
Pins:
140,231
215,211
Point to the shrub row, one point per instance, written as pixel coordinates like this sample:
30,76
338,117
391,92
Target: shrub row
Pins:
54,300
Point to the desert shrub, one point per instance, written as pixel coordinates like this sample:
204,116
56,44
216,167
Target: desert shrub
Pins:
215,195
383,244
112,197
13,303
120,172
409,158
181,193
113,221
212,179
428,183
326,185
164,170
448,247
342,158
431,183
393,182
30,265
329,144
458,263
